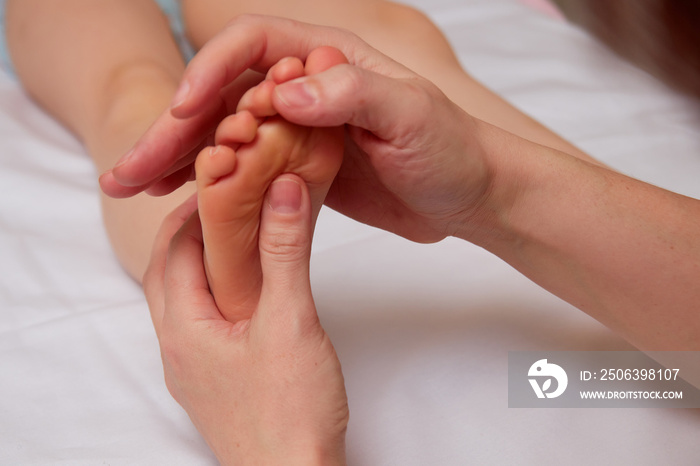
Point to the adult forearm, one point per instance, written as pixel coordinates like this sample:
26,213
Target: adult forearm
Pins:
625,252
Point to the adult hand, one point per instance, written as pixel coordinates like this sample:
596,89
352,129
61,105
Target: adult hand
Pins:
213,82
415,167
414,164
423,168
265,390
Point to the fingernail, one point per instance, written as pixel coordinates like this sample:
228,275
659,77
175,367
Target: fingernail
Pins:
285,197
125,158
181,95
296,94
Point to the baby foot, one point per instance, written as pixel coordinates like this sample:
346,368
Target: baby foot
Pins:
233,177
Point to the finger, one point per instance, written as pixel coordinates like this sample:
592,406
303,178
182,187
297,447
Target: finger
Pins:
163,145
178,174
154,277
186,290
112,188
346,94
171,182
167,183
285,246
162,148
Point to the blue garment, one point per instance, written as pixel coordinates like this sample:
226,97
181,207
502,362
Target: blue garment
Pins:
171,8
5,62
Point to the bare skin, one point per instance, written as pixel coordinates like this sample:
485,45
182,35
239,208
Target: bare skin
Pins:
115,68
233,176
622,250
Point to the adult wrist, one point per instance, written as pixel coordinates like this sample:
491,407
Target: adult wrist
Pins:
485,218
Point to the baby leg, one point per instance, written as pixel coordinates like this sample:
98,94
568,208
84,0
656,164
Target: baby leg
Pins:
105,69
233,177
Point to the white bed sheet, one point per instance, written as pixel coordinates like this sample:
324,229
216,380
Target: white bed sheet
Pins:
422,331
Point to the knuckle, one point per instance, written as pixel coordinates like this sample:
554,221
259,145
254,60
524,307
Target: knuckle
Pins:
419,103
423,95
169,348
355,80
174,354
285,244
351,86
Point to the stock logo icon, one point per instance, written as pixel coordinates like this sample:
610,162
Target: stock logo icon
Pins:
542,373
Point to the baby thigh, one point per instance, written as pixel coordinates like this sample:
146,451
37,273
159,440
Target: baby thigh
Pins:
399,31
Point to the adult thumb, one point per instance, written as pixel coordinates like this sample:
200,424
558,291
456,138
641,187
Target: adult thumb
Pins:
285,236
386,106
